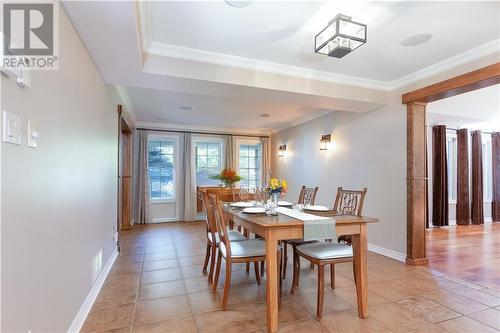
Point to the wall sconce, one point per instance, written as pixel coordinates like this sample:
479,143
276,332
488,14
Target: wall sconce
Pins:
325,141
281,151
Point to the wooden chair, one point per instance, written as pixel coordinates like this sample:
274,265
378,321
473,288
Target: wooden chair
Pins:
307,196
213,237
347,202
245,251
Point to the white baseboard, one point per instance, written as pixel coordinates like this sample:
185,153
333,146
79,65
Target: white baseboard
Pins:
167,219
452,222
82,314
387,253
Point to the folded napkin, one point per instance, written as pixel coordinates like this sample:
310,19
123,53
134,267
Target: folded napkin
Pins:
315,227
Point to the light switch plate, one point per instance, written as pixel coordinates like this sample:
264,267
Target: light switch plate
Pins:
33,135
11,128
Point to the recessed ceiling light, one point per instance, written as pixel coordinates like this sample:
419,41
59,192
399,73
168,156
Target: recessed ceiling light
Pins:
265,115
416,39
238,3
185,107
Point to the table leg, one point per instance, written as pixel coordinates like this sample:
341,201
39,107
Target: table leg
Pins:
360,271
272,281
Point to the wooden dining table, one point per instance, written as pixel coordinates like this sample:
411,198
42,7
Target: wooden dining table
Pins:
283,227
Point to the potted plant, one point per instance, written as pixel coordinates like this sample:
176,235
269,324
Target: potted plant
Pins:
276,188
227,176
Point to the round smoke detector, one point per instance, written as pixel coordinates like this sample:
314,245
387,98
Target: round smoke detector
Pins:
238,3
416,39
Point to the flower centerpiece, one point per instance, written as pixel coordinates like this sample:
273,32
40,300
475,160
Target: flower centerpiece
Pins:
276,188
228,176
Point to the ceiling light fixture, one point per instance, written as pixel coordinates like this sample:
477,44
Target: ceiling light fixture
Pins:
265,115
185,107
416,39
238,3
340,37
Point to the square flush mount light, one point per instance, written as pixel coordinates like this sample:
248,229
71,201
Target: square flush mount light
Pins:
340,37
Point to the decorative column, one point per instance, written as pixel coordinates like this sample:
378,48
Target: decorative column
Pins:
416,181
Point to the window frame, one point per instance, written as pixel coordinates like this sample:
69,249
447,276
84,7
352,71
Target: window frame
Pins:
175,140
247,141
207,139
452,138
486,151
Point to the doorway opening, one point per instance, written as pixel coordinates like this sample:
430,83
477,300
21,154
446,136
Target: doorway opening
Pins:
124,221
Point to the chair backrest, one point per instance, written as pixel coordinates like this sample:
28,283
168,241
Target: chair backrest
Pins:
349,202
208,207
307,195
221,225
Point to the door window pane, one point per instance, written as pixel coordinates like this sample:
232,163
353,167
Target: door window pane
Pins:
161,169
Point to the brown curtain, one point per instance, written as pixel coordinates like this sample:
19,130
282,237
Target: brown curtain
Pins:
477,214
463,203
495,149
439,177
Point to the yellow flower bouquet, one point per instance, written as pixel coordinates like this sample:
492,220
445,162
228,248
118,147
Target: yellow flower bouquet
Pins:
277,186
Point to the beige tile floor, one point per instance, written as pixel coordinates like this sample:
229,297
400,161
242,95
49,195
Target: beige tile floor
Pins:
156,285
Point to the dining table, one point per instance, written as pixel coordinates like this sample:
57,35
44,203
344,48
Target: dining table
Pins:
276,228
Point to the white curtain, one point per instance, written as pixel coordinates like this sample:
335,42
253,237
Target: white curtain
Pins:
188,212
228,152
266,160
143,201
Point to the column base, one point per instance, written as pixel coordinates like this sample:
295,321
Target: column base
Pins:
417,262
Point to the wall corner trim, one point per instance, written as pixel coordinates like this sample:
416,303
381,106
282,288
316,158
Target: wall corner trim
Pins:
387,252
82,314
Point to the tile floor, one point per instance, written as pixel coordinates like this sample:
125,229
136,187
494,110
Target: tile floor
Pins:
156,285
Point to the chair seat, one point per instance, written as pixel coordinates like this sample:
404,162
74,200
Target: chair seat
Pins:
234,236
245,248
326,250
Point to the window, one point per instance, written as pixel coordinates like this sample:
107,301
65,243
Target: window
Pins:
249,164
487,169
208,155
451,160
161,168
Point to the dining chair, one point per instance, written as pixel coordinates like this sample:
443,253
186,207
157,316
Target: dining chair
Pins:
307,197
213,237
347,202
244,251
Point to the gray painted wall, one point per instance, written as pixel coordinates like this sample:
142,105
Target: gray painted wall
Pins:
370,151
58,200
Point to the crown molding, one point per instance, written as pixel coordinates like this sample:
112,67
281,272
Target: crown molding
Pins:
129,111
222,130
447,64
186,53
302,121
143,14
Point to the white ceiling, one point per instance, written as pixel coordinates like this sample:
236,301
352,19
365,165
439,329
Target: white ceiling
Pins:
169,107
228,64
478,109
283,32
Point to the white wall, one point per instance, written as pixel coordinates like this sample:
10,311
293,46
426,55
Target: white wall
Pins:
58,200
370,151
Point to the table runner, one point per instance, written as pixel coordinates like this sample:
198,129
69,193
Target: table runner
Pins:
315,227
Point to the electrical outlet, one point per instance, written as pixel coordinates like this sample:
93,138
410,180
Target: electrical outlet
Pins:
96,265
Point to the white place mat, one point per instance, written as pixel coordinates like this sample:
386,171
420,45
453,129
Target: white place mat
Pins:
315,227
